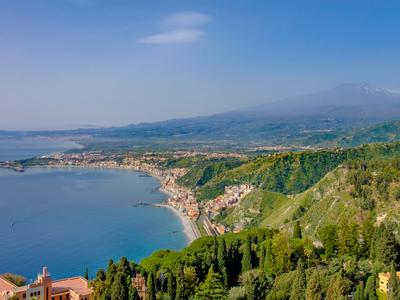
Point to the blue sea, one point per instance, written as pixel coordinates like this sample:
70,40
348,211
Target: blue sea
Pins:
69,219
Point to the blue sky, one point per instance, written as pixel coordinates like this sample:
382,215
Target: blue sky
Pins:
71,63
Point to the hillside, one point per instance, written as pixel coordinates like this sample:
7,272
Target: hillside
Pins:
355,191
290,172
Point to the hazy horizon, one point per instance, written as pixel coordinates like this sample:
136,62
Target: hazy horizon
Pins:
76,63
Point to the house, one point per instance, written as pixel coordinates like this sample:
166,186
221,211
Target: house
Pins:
139,283
44,288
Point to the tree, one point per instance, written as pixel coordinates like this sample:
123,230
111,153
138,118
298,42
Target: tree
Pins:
212,287
314,289
282,251
359,293
262,258
268,258
387,249
348,239
298,291
222,259
123,266
86,275
339,287
133,293
370,288
111,272
328,236
297,231
119,290
256,284
180,289
171,286
393,284
246,259
151,289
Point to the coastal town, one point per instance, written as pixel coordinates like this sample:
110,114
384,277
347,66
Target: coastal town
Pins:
181,200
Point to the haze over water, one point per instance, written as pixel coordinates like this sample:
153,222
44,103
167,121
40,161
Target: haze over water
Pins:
72,218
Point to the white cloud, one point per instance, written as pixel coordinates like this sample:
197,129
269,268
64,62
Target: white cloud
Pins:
182,29
173,37
187,19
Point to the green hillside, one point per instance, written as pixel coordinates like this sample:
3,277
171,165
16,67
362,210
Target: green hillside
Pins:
386,132
355,191
291,172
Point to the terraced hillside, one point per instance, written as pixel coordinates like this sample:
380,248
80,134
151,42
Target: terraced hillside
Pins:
358,190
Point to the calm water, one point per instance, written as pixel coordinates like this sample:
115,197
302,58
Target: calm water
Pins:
70,219
11,149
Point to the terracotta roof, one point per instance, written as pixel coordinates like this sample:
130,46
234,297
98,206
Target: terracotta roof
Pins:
6,285
77,284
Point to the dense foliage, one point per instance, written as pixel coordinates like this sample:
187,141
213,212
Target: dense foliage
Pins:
291,172
265,264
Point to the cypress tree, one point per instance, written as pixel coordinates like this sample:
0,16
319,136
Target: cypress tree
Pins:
268,258
387,249
297,231
123,266
171,288
246,259
86,274
180,285
329,238
151,289
314,289
393,285
119,290
212,287
262,258
180,289
298,291
222,259
370,288
359,293
133,293
111,272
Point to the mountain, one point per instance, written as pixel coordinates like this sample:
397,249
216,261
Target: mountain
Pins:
351,101
342,116
343,107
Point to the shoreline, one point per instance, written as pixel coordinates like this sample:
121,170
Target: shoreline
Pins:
189,228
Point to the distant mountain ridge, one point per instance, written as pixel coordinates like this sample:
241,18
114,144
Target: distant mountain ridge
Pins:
324,118
344,107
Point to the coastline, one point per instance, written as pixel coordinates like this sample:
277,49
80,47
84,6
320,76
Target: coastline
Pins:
190,229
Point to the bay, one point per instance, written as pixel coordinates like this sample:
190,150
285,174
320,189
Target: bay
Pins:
69,219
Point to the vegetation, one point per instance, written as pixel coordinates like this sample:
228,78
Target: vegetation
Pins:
18,280
236,266
291,172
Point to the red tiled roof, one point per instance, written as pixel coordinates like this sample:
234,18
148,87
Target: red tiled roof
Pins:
77,284
6,285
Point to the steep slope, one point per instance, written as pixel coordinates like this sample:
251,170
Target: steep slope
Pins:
291,173
354,191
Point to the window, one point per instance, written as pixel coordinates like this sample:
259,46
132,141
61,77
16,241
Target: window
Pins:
31,294
24,295
38,293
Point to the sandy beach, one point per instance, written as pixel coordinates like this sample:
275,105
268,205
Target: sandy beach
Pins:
189,227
